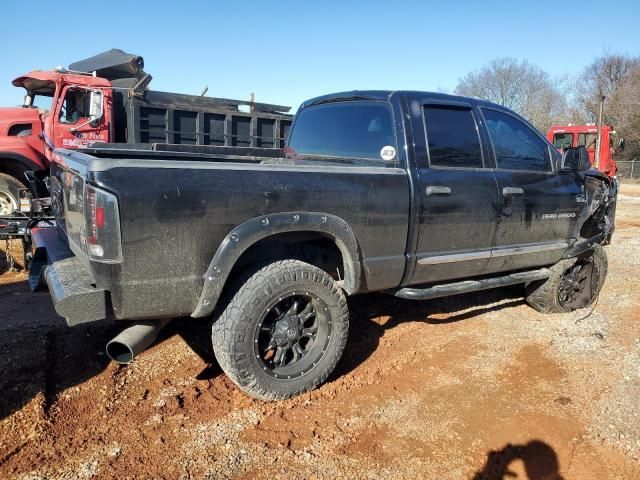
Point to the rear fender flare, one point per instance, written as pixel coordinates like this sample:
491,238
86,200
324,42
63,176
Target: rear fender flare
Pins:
248,233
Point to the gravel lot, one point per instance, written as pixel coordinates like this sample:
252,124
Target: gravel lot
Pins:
477,386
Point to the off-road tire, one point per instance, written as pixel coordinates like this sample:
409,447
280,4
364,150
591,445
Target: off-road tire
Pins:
9,191
233,332
543,295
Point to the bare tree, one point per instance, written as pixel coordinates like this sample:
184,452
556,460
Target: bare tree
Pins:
625,105
520,86
604,77
617,78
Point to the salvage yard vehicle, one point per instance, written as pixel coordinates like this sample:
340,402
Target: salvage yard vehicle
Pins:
106,99
417,195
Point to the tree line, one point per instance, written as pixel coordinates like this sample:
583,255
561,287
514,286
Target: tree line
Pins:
545,100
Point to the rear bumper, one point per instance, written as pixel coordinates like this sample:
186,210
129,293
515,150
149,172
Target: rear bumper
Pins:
72,287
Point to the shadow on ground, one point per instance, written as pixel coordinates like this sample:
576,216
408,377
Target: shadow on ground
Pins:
539,459
41,354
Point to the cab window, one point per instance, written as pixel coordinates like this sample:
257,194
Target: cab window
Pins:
75,106
344,130
587,140
563,140
516,145
452,136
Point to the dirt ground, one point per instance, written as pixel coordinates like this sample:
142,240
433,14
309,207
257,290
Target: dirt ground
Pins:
477,386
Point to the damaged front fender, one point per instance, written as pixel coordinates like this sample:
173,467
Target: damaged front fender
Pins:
596,221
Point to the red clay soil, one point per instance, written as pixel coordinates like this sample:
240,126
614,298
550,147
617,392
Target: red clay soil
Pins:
477,386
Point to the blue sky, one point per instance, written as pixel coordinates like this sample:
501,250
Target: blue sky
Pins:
288,51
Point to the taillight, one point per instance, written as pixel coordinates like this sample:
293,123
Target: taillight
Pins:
102,226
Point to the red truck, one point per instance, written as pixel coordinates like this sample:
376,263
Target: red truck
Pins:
565,136
105,99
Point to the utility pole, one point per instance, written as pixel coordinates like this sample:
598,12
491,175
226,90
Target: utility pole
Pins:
599,137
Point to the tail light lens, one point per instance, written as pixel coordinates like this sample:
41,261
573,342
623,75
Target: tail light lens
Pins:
102,226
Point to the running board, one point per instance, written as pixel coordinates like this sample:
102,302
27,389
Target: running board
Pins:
472,285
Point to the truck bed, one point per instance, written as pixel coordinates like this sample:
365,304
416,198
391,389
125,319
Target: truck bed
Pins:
179,204
209,153
176,152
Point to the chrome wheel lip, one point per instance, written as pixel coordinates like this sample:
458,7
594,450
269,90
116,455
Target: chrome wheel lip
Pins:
312,355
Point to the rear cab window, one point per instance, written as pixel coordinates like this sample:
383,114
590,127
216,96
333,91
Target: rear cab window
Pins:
355,132
587,140
515,144
452,137
563,140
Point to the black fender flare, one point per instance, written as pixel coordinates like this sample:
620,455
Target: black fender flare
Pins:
248,233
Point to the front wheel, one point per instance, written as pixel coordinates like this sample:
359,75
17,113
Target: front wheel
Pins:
283,332
573,284
9,194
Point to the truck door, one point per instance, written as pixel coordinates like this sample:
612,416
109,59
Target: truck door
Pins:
458,194
73,125
538,206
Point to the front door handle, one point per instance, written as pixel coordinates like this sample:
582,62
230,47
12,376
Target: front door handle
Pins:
512,191
438,190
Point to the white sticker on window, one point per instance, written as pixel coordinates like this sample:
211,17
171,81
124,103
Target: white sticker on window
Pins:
388,152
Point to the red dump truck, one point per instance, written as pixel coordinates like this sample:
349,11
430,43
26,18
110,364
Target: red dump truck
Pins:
567,136
105,99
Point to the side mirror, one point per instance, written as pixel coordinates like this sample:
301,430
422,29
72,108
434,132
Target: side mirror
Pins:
621,144
575,159
95,106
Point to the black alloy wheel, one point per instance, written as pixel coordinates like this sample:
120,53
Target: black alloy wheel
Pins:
283,331
292,335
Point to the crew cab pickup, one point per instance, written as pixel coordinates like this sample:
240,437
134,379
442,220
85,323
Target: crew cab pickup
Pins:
413,194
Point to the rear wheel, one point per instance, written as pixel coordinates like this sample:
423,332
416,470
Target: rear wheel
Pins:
573,284
283,332
9,194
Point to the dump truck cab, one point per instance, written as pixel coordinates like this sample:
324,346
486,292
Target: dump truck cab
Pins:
71,108
74,108
572,136
60,109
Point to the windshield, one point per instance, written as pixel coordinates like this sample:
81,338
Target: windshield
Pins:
40,101
39,93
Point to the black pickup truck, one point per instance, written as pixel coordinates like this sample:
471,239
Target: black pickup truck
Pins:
413,194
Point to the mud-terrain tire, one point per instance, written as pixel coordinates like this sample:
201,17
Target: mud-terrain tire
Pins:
9,194
574,283
263,319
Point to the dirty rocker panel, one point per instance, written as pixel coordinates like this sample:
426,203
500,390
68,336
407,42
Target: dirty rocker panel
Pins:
495,252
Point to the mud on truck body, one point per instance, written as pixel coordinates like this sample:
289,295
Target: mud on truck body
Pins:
413,194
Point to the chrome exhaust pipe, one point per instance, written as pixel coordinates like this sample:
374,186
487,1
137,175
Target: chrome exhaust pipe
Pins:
134,340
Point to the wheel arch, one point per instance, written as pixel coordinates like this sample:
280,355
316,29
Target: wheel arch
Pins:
243,239
15,165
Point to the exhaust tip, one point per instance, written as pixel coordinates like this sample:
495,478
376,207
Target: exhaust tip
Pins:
119,352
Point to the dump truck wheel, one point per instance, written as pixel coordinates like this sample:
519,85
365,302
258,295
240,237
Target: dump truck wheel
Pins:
9,194
283,332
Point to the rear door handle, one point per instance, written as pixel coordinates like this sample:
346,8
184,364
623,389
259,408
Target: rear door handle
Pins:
512,191
437,190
